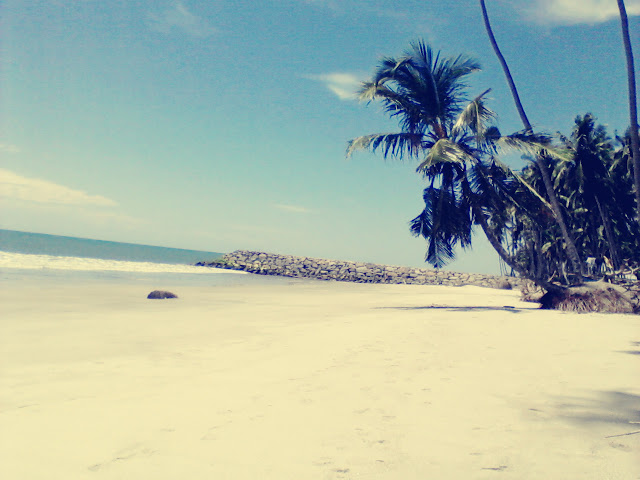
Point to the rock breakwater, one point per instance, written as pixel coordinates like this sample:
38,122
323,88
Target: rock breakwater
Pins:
347,271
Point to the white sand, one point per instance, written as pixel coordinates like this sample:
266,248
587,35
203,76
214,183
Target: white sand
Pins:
312,381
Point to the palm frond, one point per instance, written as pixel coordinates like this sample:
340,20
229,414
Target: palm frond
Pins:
533,191
421,89
522,181
443,151
444,223
475,116
525,142
394,144
532,144
388,68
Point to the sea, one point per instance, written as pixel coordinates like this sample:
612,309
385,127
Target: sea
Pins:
38,256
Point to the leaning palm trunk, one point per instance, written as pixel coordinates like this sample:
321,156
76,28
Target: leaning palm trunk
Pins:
608,232
507,258
572,251
633,106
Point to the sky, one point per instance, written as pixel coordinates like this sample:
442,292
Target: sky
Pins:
222,125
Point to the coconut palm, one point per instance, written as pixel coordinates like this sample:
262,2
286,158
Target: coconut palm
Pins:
633,106
425,92
533,235
588,186
539,159
595,184
627,228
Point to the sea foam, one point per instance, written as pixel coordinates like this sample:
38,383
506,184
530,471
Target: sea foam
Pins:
51,262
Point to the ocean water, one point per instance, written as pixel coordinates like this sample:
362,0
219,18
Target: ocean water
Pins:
36,256
54,245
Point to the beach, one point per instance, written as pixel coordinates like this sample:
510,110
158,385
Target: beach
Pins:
311,379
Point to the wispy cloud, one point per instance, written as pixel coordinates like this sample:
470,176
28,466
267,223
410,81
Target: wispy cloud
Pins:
178,17
291,208
571,12
8,148
344,85
35,190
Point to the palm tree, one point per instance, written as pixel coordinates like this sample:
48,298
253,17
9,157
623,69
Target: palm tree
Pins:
633,106
595,183
587,184
539,159
625,220
426,94
424,91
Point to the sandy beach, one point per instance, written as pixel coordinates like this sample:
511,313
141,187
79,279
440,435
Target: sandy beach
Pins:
312,380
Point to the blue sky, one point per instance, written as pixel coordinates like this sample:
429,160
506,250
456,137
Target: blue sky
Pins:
222,125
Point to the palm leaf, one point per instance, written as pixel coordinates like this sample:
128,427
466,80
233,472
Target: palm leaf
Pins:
475,116
443,151
394,144
444,223
524,142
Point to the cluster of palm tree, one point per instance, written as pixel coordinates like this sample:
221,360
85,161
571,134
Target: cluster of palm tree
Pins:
592,181
573,202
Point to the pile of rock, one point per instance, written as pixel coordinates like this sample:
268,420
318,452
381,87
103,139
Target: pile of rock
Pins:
348,271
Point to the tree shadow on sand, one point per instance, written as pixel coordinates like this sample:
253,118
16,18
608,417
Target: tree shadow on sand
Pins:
619,409
634,351
505,308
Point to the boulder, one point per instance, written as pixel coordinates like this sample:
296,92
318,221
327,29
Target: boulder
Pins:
161,294
504,284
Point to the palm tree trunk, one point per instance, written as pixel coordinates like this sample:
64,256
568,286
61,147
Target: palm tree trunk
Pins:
633,105
505,68
540,271
572,251
608,232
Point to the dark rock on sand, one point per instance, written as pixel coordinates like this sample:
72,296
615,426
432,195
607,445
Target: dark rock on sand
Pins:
503,284
160,294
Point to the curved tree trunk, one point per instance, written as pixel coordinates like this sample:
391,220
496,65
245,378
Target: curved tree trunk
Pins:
506,257
608,232
505,68
572,251
633,105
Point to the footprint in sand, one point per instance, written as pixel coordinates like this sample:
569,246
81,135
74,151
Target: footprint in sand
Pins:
128,453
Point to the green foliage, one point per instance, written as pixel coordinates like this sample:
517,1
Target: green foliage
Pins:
451,137
458,149
592,180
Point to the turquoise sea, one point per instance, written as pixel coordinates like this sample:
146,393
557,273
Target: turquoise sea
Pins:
34,256
42,244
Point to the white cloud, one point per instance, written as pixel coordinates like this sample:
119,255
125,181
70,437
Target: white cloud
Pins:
34,190
291,208
179,17
571,12
344,85
8,148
